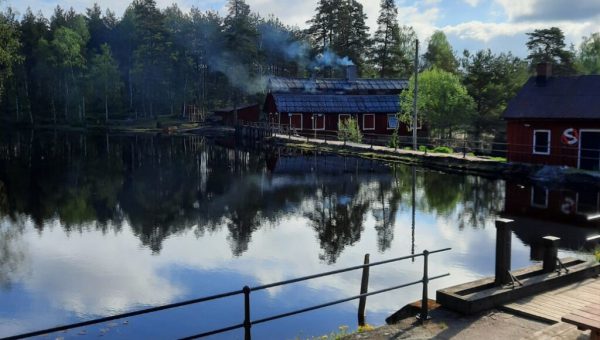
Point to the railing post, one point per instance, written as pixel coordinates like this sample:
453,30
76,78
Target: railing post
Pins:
364,286
247,323
550,253
424,315
503,251
465,149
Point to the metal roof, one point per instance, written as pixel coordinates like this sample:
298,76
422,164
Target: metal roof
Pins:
321,103
282,85
560,98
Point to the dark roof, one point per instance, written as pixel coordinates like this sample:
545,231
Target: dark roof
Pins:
560,98
321,103
278,85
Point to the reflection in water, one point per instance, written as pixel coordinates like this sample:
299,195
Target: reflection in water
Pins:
12,253
168,218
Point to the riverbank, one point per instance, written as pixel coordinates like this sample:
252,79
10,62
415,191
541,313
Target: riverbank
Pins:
463,163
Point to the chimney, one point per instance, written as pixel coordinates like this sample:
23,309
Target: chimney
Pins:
544,72
351,72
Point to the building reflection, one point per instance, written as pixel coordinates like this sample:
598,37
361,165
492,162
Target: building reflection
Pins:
540,209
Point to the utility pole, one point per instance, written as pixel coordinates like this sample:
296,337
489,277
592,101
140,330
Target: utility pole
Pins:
414,127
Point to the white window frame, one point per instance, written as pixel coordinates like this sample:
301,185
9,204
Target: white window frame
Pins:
320,115
387,121
343,115
535,205
374,121
535,142
301,120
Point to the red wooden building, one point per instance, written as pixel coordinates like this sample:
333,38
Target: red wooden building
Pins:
555,121
245,113
312,105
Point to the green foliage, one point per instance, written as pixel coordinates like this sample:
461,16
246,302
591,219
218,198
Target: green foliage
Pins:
104,73
548,45
394,142
588,57
597,254
491,80
348,130
439,54
9,48
393,45
339,26
443,102
443,149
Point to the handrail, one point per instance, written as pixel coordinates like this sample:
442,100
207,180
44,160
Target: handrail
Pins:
247,324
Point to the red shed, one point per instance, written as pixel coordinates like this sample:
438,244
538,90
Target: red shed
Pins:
246,113
555,121
310,104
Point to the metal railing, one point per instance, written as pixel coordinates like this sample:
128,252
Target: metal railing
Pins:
487,147
246,291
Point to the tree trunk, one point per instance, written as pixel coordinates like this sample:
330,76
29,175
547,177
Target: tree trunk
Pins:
106,108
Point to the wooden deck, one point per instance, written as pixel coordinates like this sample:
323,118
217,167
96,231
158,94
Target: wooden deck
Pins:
552,305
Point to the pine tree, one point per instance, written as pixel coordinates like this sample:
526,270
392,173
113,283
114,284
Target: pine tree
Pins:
548,45
10,46
339,26
393,45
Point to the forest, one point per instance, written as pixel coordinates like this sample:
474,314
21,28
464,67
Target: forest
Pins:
98,67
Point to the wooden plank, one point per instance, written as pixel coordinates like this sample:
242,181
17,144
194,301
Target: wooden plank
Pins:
535,311
594,318
581,322
567,302
559,309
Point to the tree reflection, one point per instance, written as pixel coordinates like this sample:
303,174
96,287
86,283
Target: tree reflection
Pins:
164,186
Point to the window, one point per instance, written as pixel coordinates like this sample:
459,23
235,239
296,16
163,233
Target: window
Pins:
368,122
539,197
392,122
541,142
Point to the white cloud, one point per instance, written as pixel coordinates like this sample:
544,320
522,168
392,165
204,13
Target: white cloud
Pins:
486,32
550,10
472,3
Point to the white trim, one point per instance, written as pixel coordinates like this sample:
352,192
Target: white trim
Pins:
340,118
363,122
314,121
581,131
301,121
387,121
535,205
535,139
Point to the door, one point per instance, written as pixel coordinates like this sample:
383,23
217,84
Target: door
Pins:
589,150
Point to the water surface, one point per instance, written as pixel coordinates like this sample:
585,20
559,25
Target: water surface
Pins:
93,225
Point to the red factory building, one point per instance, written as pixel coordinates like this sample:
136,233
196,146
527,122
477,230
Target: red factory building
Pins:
313,105
555,121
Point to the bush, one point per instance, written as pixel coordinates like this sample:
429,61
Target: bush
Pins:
442,149
422,148
393,143
348,130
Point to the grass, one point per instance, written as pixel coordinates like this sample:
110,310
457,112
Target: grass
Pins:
342,332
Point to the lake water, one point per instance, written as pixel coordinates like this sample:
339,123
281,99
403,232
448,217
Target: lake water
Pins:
94,225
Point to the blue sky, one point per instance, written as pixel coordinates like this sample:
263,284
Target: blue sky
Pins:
470,24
